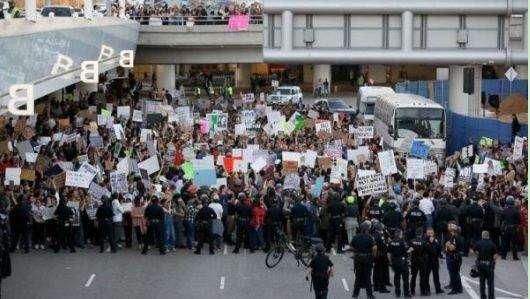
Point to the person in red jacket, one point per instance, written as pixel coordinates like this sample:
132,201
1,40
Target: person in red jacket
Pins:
257,220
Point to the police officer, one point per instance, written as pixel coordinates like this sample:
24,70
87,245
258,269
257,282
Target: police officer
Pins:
321,269
417,263
433,251
454,248
64,216
203,220
510,219
243,212
336,211
381,272
392,218
363,247
21,228
474,218
274,220
375,211
350,217
486,250
154,215
399,251
104,217
299,218
415,219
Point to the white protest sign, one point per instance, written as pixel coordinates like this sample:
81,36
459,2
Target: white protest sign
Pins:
415,169
240,129
371,184
88,171
12,175
313,114
387,162
137,116
364,132
467,152
118,131
150,165
291,181
258,164
335,177
124,112
31,157
323,126
518,148
310,158
465,174
449,177
76,179
361,154
291,156
480,168
118,182
123,166
430,167
96,191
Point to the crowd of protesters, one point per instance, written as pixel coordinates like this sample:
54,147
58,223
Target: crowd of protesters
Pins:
168,211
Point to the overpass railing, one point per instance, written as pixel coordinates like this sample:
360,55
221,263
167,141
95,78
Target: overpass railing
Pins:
190,21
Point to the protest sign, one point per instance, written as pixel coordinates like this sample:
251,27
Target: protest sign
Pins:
333,151
76,179
430,167
387,162
415,169
118,131
238,22
95,140
289,166
42,163
309,158
123,166
88,171
371,184
313,114
317,187
335,176
150,165
31,157
467,152
364,132
419,149
59,180
137,116
449,177
480,168
124,112
361,154
291,181
27,175
240,165
494,166
465,174
518,148
189,171
240,129
324,162
118,182
248,97
486,142
322,126
204,171
12,175
258,164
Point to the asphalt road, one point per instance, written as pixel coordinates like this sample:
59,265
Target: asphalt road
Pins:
181,274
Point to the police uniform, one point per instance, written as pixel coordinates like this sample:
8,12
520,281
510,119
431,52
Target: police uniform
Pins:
454,262
485,265
510,221
475,216
432,254
336,210
362,245
104,217
299,216
417,265
274,220
415,219
320,266
203,221
398,250
64,227
243,212
392,220
376,212
154,214
380,262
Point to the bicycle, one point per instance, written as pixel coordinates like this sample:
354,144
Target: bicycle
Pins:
303,250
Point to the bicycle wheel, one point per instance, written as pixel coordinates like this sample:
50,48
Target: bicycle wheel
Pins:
306,255
274,257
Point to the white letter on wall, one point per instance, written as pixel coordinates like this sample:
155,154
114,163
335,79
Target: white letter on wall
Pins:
63,63
126,58
106,52
28,99
91,68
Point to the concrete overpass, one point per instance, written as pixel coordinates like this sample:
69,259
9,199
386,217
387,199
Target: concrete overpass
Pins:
200,44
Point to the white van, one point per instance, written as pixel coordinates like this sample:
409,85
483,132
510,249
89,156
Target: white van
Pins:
366,98
285,95
401,118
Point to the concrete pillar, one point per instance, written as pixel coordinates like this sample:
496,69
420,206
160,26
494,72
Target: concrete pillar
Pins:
177,69
287,30
243,76
460,102
308,74
525,30
186,68
88,9
31,10
322,72
407,29
165,76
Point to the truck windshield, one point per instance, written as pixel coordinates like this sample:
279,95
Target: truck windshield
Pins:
370,108
427,123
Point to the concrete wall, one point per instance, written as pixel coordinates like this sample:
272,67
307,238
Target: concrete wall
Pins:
202,55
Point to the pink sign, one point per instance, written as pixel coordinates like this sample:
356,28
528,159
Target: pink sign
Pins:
204,126
238,22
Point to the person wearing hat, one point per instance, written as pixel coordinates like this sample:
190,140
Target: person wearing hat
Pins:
154,215
363,247
414,219
203,221
510,218
321,269
399,250
486,252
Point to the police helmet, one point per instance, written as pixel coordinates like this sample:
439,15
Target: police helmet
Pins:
366,226
392,205
377,225
319,248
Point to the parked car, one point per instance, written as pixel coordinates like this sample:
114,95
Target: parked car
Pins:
58,11
285,95
332,106
79,12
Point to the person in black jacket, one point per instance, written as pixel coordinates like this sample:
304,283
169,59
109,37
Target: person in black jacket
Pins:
510,218
21,228
203,221
64,216
104,218
154,215
433,251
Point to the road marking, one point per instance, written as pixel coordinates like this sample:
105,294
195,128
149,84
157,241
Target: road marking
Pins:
345,285
89,281
333,251
225,250
497,289
469,289
222,284
525,264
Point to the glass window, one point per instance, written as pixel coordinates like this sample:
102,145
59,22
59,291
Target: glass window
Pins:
370,108
337,105
420,123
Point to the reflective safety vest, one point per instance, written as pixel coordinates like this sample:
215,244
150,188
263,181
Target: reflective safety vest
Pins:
230,91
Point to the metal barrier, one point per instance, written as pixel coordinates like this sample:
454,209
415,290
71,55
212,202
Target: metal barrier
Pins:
190,21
